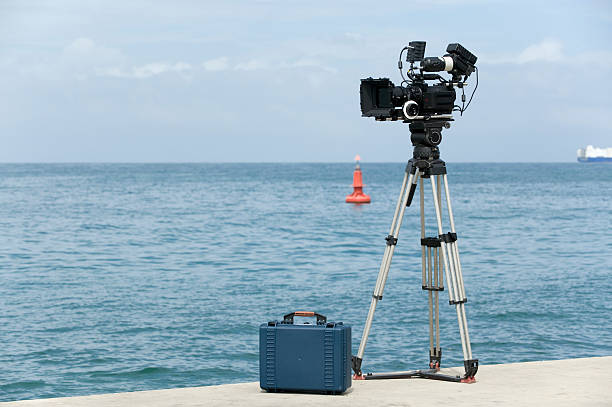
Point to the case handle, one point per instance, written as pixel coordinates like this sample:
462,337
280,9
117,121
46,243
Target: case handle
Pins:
288,319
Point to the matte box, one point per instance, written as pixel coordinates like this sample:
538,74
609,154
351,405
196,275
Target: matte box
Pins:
305,357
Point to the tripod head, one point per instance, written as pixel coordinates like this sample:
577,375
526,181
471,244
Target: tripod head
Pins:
425,136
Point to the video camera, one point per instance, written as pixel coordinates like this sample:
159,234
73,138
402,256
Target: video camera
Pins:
415,99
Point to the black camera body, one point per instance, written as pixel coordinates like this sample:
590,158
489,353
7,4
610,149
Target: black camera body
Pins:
415,99
381,99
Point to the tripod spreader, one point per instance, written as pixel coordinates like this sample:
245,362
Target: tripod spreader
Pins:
439,257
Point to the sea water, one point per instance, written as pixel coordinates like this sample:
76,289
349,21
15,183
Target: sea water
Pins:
123,277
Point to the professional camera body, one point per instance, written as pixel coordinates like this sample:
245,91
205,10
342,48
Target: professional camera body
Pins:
415,99
428,107
381,99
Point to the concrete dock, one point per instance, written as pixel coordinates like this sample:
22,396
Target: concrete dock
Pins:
571,382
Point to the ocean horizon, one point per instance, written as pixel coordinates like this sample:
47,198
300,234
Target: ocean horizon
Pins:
274,162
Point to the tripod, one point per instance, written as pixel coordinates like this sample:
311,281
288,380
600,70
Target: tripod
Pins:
439,256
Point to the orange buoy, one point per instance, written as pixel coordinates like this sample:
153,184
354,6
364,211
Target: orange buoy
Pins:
357,196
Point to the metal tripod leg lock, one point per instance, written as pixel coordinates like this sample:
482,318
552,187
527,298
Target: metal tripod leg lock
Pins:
439,262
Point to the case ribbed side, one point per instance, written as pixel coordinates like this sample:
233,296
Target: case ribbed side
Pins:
344,361
271,357
328,364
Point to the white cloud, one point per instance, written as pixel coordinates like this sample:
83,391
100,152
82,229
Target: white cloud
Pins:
546,51
217,64
82,58
153,69
310,63
261,64
148,70
212,65
252,65
80,46
353,36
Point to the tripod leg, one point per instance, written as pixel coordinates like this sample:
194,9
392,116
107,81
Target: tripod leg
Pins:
438,284
407,186
422,201
454,252
449,268
455,247
426,265
431,270
471,365
451,265
434,286
430,301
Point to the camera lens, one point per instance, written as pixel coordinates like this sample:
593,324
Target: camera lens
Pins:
410,109
413,110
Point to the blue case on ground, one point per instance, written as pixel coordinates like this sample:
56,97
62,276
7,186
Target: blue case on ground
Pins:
305,358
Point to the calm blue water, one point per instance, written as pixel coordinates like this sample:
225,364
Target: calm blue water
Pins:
130,277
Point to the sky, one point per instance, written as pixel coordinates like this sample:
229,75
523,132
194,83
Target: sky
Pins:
278,81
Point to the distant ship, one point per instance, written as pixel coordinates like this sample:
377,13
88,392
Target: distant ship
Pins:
592,154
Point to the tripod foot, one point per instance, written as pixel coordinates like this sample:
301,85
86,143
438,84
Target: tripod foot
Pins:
435,359
356,362
471,367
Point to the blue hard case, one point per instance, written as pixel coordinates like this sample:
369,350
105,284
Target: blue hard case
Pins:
306,357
